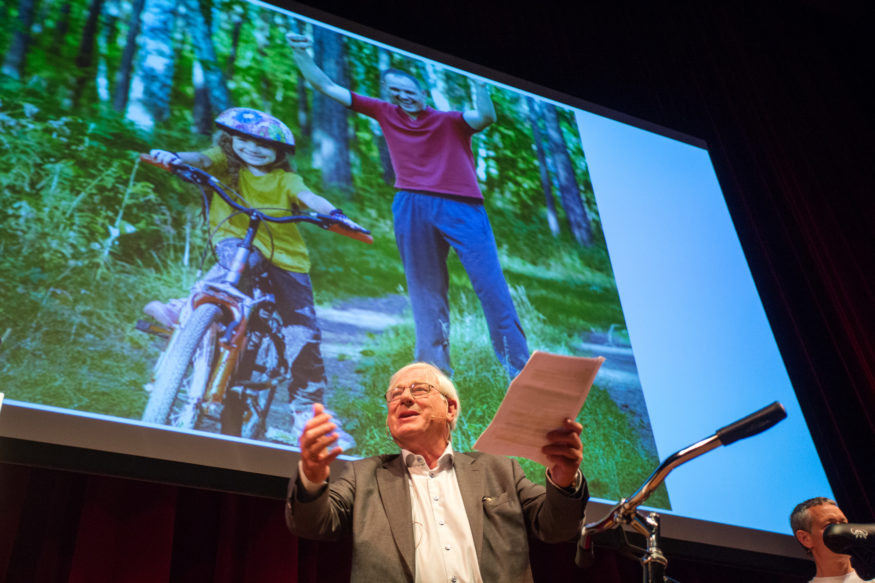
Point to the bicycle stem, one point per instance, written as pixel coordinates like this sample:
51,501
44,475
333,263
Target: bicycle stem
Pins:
654,561
244,249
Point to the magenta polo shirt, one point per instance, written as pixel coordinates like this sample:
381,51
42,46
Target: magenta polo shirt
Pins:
431,153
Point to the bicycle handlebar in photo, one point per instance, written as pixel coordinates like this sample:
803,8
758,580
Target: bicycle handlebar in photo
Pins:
201,178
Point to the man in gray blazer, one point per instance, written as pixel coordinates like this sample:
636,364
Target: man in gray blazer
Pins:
430,513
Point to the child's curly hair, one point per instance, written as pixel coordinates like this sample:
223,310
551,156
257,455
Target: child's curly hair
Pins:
224,140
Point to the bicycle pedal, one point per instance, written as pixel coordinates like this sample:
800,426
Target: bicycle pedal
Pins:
153,328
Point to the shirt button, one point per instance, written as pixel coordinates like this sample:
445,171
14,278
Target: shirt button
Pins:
435,498
453,580
447,547
431,474
441,522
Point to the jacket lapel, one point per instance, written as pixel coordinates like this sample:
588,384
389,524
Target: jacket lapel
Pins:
395,495
471,485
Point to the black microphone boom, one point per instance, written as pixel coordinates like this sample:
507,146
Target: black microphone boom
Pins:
847,537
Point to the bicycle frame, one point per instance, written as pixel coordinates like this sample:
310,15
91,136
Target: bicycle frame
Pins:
237,307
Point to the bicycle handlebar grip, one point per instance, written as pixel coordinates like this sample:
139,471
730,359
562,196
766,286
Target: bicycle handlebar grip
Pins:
150,160
358,235
754,423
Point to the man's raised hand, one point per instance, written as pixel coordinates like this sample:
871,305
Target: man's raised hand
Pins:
299,42
318,445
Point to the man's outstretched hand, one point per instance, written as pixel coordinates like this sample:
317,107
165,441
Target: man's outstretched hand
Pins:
318,445
565,452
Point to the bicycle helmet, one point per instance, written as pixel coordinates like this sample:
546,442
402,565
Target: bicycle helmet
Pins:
256,124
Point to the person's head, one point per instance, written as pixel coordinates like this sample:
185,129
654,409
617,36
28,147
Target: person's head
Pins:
404,90
254,138
423,405
809,519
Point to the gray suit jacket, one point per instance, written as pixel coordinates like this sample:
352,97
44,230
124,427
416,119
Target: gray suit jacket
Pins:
370,500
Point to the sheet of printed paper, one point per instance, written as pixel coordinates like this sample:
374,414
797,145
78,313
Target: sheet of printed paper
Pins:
550,388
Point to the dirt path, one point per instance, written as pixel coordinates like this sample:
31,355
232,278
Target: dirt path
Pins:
619,376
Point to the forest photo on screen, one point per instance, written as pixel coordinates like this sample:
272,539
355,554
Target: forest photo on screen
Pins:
90,234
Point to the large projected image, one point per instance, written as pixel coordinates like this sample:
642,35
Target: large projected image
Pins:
479,223
95,240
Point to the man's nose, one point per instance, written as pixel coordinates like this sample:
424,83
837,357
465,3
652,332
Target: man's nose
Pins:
406,396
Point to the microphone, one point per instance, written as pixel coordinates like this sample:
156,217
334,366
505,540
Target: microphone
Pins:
846,538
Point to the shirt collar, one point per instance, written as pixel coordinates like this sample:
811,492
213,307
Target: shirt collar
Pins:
413,459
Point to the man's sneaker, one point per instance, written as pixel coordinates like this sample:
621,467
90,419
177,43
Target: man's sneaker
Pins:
300,417
167,314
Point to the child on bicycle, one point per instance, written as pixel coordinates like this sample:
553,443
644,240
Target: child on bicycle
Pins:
252,156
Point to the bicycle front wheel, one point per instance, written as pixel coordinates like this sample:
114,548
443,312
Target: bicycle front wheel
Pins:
246,408
185,370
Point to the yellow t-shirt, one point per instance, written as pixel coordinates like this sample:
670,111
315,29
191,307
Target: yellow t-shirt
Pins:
281,243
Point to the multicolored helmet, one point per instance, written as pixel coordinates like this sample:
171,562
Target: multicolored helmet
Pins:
258,125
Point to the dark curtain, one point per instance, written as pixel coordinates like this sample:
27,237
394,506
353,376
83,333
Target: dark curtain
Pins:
58,526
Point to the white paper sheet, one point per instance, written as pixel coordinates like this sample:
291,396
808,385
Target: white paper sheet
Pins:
550,388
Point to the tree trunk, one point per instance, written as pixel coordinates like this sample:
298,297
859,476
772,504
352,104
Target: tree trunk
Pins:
85,56
205,52
261,32
16,55
330,119
302,91
61,27
201,110
237,19
105,40
123,75
546,185
569,192
149,99
384,59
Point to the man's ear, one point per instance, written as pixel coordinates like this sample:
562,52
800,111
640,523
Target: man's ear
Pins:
804,539
452,409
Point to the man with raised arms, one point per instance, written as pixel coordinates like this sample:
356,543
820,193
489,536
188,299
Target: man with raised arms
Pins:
438,205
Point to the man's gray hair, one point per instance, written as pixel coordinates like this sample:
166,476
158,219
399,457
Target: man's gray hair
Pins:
800,518
428,373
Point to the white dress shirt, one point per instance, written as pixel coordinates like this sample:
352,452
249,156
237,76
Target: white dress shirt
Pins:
442,536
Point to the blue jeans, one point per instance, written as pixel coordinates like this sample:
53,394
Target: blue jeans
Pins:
426,226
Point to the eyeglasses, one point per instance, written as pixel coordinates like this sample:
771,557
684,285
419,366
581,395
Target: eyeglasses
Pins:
417,391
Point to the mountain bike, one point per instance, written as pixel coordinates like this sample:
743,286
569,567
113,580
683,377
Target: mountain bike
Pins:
626,512
226,356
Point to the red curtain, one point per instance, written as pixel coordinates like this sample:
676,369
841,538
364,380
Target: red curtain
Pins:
58,526
64,526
